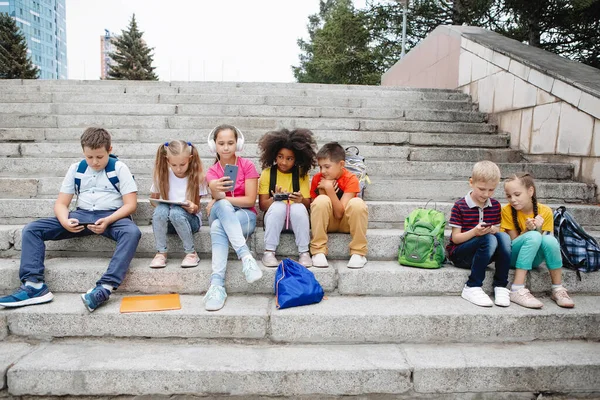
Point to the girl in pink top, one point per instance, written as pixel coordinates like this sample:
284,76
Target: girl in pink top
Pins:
232,216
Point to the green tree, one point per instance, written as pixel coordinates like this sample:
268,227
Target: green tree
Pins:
338,49
132,58
14,62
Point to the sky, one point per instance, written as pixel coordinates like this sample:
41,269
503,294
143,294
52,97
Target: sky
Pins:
196,40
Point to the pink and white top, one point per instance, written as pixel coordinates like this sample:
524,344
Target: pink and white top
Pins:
246,170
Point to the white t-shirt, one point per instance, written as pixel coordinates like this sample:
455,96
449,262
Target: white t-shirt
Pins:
178,188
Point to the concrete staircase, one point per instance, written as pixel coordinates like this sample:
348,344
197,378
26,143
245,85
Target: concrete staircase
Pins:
386,330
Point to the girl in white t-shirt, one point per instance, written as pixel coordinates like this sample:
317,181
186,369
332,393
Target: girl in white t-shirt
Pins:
178,177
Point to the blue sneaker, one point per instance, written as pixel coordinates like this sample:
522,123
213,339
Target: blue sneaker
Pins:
95,297
26,296
215,298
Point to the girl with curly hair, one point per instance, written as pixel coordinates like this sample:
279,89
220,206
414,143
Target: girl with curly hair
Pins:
284,189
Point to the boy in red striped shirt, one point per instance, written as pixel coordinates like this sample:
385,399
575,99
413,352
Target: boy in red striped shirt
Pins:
476,239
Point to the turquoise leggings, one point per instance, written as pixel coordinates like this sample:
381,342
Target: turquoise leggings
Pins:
532,248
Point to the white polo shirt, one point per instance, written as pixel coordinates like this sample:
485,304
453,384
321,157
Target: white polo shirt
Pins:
96,192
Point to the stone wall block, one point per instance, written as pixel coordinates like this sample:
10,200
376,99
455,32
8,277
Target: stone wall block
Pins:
544,97
596,139
590,172
478,68
525,135
574,131
525,95
503,93
540,80
510,122
485,94
544,128
590,104
519,69
464,67
500,60
493,69
566,92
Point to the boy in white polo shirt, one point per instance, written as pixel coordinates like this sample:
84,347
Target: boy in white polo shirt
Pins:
106,197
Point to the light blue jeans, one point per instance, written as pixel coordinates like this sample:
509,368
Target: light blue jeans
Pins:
228,224
169,218
275,223
532,248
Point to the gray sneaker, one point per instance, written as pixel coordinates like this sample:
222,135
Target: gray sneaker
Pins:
215,298
251,269
305,259
269,259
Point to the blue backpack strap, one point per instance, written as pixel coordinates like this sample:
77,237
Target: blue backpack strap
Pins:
79,174
111,173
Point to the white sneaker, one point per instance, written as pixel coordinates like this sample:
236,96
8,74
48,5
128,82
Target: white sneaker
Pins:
269,259
357,261
305,259
501,296
477,296
251,270
319,260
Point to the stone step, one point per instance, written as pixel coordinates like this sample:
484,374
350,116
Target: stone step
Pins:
341,320
393,153
382,214
377,278
266,123
226,99
380,189
170,368
424,170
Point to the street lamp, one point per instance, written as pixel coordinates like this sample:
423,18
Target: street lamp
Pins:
405,5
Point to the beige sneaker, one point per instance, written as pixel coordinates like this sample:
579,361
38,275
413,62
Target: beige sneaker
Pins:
305,259
523,297
269,259
190,260
561,297
159,261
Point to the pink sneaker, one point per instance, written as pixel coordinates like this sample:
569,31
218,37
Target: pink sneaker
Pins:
561,297
159,261
190,260
523,297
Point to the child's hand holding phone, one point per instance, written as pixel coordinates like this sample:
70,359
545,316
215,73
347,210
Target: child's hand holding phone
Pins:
230,171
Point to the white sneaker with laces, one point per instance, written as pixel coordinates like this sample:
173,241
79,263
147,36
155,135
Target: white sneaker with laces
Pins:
319,260
501,296
477,296
251,270
357,261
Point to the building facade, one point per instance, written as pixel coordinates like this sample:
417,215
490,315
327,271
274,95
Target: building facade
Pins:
43,22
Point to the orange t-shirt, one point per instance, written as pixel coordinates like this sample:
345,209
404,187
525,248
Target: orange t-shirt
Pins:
347,183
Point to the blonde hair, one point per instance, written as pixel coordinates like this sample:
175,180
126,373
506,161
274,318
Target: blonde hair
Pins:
485,171
194,173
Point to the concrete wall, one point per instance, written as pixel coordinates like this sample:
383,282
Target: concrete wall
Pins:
549,117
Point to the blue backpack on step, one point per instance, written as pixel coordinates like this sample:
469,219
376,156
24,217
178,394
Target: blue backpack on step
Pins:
295,285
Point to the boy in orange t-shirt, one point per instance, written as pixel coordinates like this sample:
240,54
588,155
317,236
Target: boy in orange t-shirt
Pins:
335,207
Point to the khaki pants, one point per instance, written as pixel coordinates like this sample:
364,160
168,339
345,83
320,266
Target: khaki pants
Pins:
354,221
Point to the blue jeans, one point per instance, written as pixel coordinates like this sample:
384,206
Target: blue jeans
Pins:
532,248
478,252
228,224
170,218
33,249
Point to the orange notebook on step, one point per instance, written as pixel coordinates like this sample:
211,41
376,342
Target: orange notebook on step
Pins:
159,302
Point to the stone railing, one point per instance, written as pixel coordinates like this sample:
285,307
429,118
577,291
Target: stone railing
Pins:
549,105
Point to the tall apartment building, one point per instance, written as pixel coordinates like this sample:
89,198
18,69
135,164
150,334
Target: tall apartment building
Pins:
106,47
43,22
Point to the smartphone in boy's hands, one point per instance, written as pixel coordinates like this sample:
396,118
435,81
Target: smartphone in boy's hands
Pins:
485,224
85,224
231,171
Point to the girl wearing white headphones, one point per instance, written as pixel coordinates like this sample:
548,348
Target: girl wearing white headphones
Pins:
232,216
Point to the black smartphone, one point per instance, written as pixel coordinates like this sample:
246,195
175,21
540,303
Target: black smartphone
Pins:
85,224
231,171
281,196
486,224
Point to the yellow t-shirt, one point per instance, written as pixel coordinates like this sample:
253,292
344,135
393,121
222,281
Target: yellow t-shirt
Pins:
283,180
507,223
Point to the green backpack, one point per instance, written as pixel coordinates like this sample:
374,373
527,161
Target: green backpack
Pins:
422,244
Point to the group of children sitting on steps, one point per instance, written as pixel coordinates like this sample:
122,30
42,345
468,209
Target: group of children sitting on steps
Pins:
106,197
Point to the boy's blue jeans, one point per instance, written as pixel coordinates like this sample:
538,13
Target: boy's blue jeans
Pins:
228,224
33,249
170,218
478,252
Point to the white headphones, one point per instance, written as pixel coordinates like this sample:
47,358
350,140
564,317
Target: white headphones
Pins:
213,146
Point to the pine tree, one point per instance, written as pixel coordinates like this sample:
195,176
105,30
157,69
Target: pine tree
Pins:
14,62
132,58
338,51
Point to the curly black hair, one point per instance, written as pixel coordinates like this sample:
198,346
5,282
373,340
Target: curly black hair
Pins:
300,141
